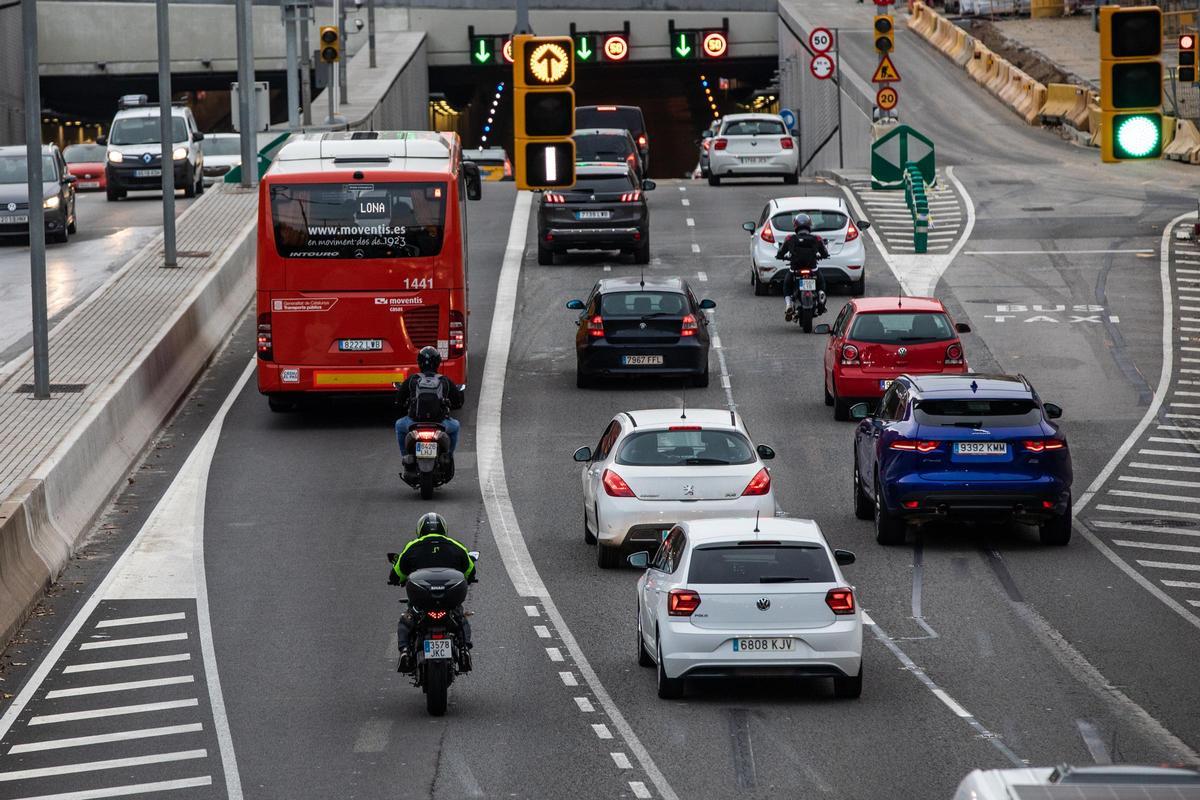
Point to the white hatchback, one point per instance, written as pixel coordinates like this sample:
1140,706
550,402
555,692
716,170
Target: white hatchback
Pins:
740,597
653,469
753,146
846,265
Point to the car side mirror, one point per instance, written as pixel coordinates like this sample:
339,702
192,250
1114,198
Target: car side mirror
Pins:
822,328
860,411
844,558
1053,410
648,185
583,454
707,305
576,305
706,134
102,141
639,560
765,452
794,131
863,224
71,179
474,555
962,327
473,180
392,557
197,136
748,227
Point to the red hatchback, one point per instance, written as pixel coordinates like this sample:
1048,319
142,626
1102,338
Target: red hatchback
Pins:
86,162
874,339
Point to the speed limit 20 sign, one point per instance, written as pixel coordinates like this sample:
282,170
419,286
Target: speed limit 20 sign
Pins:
820,40
887,98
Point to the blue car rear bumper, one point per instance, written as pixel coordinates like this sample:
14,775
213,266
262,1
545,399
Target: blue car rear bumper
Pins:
1033,500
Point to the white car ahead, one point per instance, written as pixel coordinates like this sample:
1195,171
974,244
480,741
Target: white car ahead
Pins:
753,146
652,469
846,265
737,597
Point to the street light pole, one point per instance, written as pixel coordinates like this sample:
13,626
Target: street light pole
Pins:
523,25
37,217
371,32
344,63
305,63
246,98
166,134
293,76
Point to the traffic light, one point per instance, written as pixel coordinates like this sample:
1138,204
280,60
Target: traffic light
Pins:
885,34
331,44
483,50
544,111
1130,83
1186,72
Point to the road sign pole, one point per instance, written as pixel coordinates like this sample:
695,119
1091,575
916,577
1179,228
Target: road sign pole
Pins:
837,82
246,99
305,66
293,74
371,33
166,134
523,25
37,217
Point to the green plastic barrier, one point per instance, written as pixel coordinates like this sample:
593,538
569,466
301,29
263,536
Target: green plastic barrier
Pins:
264,159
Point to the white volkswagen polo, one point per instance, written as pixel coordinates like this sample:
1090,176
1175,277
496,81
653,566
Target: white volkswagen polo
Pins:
737,597
652,469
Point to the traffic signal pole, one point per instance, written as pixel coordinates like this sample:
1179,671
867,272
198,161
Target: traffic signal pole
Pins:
290,20
37,217
523,25
246,98
166,134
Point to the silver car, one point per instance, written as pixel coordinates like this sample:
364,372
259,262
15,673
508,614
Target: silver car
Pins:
753,146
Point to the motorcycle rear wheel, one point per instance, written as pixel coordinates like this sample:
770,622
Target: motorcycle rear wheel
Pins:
427,485
437,686
806,319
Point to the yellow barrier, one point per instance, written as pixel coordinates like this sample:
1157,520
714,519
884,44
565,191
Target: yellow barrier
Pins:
991,66
1186,144
1063,100
1094,123
1035,98
944,37
964,49
1002,78
921,20
1080,117
977,67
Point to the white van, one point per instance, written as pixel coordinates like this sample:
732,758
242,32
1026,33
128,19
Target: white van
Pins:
133,159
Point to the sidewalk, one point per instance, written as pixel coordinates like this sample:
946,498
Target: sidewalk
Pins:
1068,42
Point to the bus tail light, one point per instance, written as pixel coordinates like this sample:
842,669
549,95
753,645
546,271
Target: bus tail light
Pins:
265,349
689,326
596,327
458,334
759,485
615,485
682,602
954,354
840,601
767,234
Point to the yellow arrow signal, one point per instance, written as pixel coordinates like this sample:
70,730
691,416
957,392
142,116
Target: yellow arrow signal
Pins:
548,62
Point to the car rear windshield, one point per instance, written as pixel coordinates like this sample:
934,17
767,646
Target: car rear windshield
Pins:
637,304
13,170
822,221
601,147
685,448
84,153
602,183
978,412
222,146
754,127
144,130
628,118
358,220
781,563
902,328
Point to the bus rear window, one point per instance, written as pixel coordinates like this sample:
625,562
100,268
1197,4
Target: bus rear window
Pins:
358,220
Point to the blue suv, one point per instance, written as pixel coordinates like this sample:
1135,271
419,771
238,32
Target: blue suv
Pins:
972,445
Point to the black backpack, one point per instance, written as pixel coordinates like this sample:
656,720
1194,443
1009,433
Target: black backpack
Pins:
428,400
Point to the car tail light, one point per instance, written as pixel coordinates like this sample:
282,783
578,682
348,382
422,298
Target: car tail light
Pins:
954,354
706,143
759,485
840,601
1042,445
265,349
1047,504
507,168
615,485
458,334
851,232
426,436
596,327
720,144
554,198
849,354
914,445
786,143
682,602
642,140
684,428
689,326
911,504
436,614
632,197
767,234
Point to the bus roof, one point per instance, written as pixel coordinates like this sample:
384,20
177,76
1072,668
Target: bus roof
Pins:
399,151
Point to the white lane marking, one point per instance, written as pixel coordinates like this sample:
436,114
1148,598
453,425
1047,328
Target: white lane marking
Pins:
568,678
608,268
639,790
115,711
621,760
1182,584
1152,512
683,188
542,631
1114,319
725,382
373,735
691,223
502,517
716,342
1160,482
1123,526
136,640
126,791
99,666
554,653
93,766
584,704
703,276
695,247
685,201
866,619
601,730
951,703
1194,603
113,623
1093,741
1171,453
105,688
1172,498
532,611
1170,565
1175,548
1047,252
104,738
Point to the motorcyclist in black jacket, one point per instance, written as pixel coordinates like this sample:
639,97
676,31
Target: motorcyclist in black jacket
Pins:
802,250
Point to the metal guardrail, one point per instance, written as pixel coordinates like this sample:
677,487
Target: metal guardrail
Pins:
918,205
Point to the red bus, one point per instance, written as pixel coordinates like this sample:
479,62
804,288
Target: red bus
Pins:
362,261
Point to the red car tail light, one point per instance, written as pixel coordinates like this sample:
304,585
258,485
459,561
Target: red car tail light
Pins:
1042,445
913,445
632,197
641,140
684,428
910,504
849,354
759,485
786,143
851,232
840,601
458,334
554,198
596,327
720,144
507,168
682,602
706,143
689,326
954,354
265,349
767,234
615,485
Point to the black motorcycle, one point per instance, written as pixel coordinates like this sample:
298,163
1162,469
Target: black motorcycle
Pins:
427,459
808,299
435,598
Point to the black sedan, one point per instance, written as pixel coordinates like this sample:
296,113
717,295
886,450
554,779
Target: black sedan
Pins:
605,210
57,196
631,327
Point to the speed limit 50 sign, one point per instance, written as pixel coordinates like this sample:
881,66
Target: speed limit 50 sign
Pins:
820,40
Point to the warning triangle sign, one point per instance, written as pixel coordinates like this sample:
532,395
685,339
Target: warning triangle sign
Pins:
885,72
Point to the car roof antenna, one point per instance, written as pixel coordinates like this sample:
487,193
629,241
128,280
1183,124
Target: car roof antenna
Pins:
683,412
642,277
756,513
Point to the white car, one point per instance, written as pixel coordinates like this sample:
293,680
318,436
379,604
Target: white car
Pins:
222,152
753,146
1103,781
653,469
739,597
846,265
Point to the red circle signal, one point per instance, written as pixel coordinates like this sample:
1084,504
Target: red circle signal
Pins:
507,50
1187,42
715,44
616,47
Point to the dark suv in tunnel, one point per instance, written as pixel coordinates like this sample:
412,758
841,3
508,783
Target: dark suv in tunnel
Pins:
605,210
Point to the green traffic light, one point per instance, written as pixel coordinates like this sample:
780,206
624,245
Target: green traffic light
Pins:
1138,136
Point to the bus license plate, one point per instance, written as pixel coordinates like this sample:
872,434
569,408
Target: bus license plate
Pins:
437,648
981,448
147,173
20,219
764,645
426,449
359,345
808,285
593,214
642,361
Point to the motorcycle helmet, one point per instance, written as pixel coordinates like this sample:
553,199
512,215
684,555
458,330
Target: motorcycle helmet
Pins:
429,359
802,222
431,523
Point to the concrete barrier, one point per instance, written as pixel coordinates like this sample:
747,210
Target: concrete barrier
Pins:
1186,144
922,20
1063,102
1094,124
1032,101
1002,78
978,66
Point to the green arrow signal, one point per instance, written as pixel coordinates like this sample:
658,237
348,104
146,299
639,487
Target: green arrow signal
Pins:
682,48
482,55
584,51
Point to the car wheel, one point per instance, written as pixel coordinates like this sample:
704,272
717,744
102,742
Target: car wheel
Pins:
841,407
72,227
58,238
828,396
792,179
849,688
644,659
545,255
761,289
582,381
1057,532
701,381
607,557
668,688
200,183
642,254
189,187
863,509
113,194
859,287
713,180
889,529
588,536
